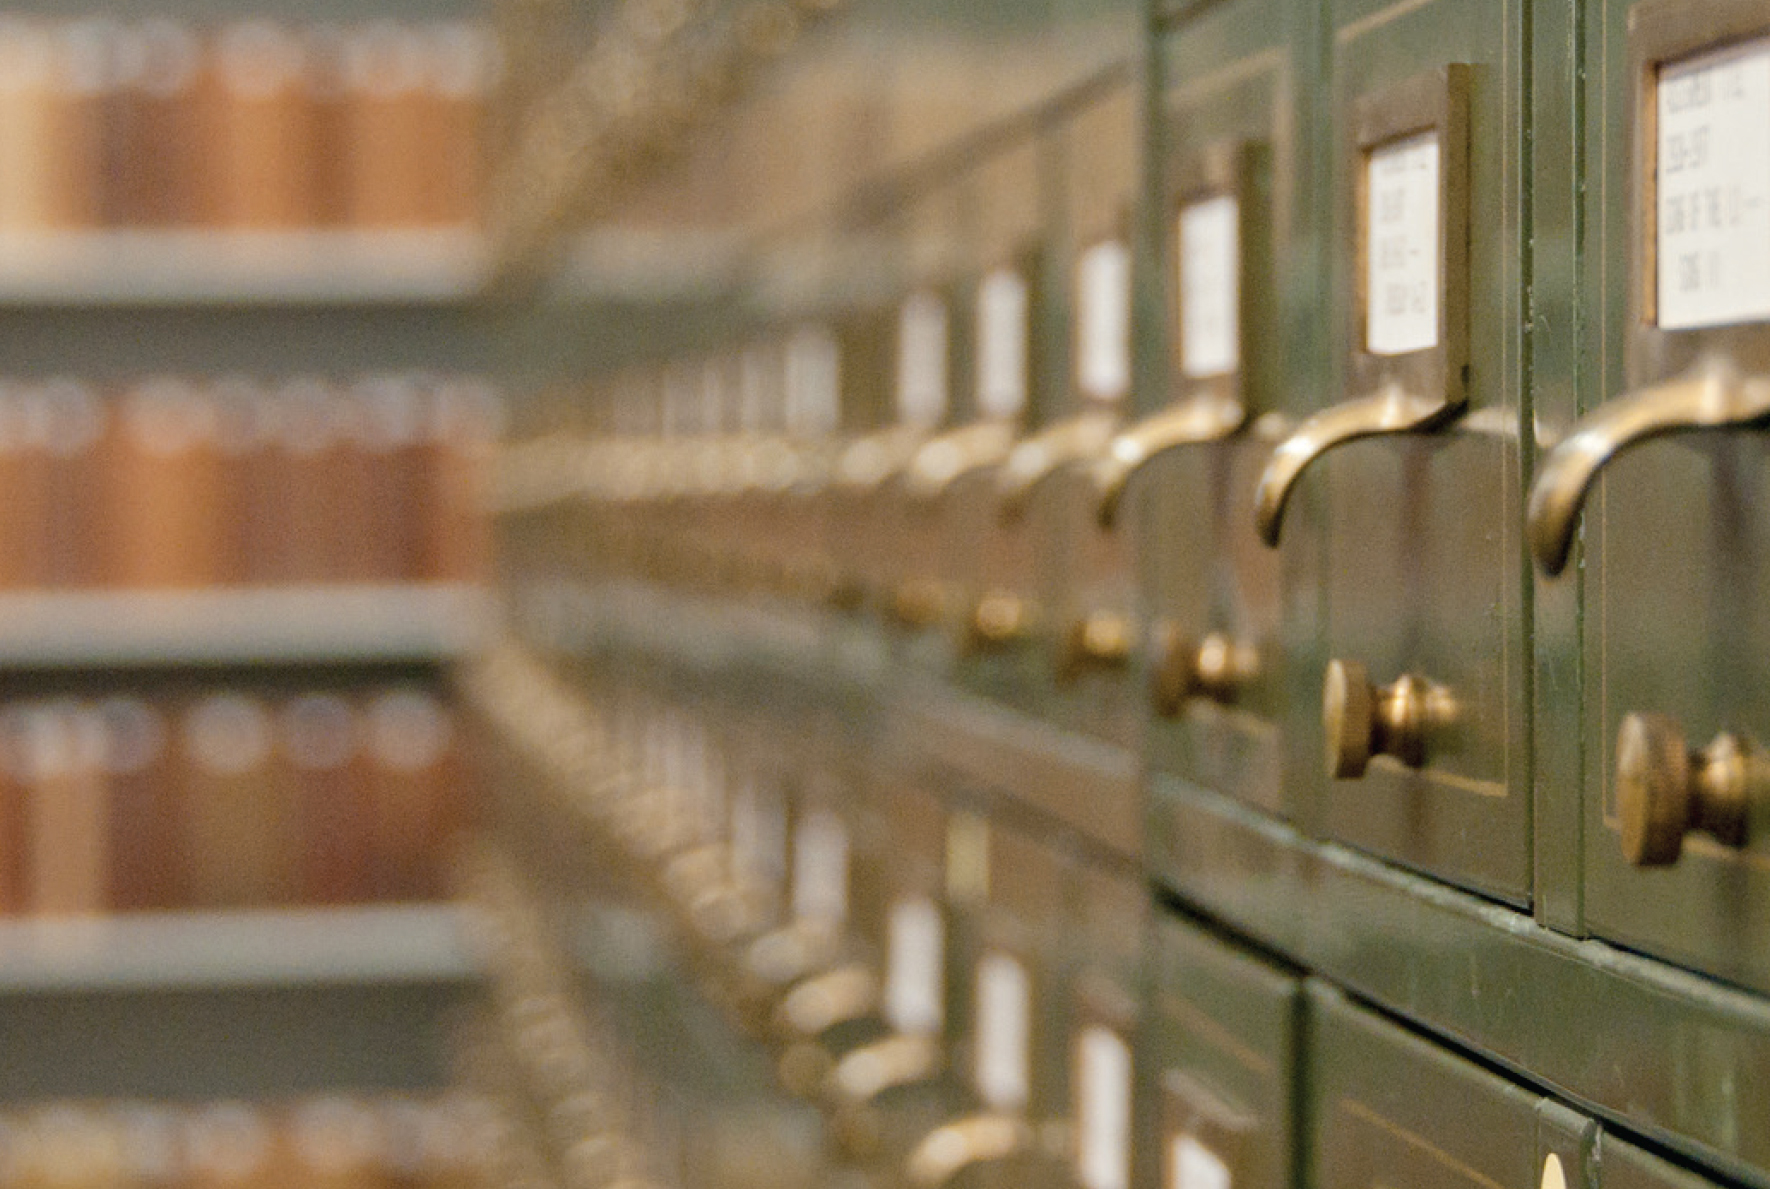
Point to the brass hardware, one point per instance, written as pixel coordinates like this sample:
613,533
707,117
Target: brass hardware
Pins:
1102,639
999,620
919,602
1714,396
943,461
949,1150
774,962
868,463
1664,790
1034,460
1361,720
1208,417
1391,411
1184,668
826,1000
857,1081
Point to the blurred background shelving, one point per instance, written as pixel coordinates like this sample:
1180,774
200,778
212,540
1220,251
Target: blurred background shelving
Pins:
202,196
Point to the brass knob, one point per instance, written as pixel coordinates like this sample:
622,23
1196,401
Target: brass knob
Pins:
1664,790
918,603
1101,639
999,620
1215,667
1362,720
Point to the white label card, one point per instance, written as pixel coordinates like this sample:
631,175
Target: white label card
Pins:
1004,1032
922,361
1401,246
1210,287
1103,321
813,379
1001,344
820,868
759,835
915,978
1191,1165
1103,1109
1713,187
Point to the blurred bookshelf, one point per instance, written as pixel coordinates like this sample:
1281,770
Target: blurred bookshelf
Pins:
200,195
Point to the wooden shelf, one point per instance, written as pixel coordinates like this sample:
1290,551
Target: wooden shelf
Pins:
210,267
266,625
161,951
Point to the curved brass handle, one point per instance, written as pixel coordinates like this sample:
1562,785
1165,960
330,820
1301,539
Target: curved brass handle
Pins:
949,1150
854,1085
940,462
1205,418
1082,438
825,1000
1713,397
1391,411
869,462
901,1059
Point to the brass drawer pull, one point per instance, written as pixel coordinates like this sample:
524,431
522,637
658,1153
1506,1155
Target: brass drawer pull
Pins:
1664,790
1713,397
1102,640
1184,668
1204,418
1390,411
1082,438
947,1151
943,461
1000,620
1362,720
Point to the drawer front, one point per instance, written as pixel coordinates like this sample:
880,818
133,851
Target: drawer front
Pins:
1421,710
1217,1067
1677,532
1239,282
1388,1108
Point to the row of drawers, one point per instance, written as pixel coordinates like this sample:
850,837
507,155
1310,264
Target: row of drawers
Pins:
1089,1038
1398,674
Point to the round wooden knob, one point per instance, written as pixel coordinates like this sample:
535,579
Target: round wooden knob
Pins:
1664,791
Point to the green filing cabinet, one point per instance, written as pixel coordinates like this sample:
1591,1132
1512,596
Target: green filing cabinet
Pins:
1217,1066
1423,703
1676,627
1233,351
